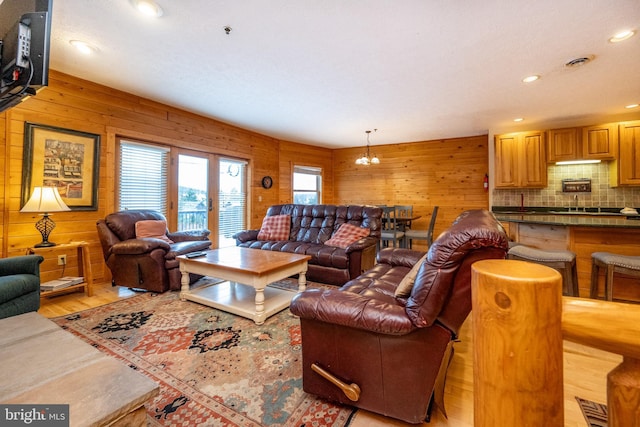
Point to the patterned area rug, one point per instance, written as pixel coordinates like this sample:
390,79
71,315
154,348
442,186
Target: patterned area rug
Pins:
594,413
214,368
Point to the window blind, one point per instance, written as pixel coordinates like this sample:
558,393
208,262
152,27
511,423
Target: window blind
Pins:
143,176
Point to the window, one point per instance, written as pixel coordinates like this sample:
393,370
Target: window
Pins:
143,176
307,185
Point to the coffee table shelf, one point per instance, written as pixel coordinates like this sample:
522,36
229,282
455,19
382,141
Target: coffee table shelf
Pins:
246,274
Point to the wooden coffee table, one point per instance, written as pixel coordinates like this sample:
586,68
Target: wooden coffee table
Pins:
246,274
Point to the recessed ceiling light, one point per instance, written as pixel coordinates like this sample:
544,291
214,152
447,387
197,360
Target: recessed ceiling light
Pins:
622,35
632,106
518,119
83,47
148,8
531,78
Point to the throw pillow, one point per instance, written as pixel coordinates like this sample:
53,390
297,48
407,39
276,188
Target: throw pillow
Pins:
156,228
346,235
275,227
406,284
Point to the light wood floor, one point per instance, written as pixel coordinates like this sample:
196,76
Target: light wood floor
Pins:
585,369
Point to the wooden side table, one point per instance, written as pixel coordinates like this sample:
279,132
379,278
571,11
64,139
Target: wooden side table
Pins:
84,265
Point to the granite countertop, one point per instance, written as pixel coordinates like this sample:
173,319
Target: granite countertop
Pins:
589,217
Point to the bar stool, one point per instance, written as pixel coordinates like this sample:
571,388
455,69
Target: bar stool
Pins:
563,261
622,264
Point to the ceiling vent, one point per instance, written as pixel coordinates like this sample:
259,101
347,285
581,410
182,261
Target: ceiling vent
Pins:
578,62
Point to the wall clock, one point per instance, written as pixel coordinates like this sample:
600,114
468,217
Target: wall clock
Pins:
267,182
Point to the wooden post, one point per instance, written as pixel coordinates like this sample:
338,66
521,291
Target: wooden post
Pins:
517,357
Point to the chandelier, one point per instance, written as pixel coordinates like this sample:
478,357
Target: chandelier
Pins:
366,158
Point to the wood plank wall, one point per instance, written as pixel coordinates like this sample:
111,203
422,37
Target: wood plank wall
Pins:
448,173
73,103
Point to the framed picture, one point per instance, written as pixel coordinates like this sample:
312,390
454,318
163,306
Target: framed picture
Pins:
64,158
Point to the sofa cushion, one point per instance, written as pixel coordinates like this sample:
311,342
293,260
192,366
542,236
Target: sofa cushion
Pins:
346,235
156,228
406,284
275,227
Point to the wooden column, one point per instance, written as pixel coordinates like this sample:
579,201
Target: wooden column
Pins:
517,358
613,327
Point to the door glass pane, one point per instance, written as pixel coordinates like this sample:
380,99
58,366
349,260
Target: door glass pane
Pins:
193,192
232,203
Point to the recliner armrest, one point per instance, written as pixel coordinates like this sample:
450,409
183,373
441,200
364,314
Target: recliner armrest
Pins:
24,264
246,236
189,235
361,244
352,310
139,246
399,257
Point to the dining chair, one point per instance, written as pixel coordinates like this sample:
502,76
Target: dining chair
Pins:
390,230
411,235
404,214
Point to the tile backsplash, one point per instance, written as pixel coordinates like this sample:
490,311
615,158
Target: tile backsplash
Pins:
601,195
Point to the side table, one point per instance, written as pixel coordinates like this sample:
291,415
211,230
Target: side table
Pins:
84,265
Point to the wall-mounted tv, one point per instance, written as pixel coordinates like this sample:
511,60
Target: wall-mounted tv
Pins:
25,31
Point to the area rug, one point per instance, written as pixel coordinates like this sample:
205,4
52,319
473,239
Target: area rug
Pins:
214,368
594,413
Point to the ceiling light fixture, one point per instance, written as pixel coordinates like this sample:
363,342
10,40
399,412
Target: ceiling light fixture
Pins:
83,47
622,35
366,158
148,8
530,79
632,106
518,119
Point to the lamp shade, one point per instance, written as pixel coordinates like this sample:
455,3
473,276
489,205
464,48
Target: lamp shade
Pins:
45,199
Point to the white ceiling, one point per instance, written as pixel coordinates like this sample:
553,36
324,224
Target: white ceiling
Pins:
323,71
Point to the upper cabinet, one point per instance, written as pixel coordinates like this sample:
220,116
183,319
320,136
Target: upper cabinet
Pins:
587,143
627,171
520,160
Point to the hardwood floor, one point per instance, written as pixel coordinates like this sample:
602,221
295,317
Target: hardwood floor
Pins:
585,369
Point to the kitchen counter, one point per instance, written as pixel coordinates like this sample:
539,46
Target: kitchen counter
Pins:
577,220
582,234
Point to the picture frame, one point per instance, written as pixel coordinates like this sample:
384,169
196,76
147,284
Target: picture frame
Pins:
64,158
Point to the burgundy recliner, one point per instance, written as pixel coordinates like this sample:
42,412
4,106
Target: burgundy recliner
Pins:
363,346
146,263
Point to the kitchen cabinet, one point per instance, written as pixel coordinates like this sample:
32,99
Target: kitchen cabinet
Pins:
626,171
599,142
520,160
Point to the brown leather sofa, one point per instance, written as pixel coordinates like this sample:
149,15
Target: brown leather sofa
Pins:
391,353
145,263
311,226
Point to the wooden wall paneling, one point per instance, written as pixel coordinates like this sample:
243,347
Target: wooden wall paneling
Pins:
4,177
448,173
73,103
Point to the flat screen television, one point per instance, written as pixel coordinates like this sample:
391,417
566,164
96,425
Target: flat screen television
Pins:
25,28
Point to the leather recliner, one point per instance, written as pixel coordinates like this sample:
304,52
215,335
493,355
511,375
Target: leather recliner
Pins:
364,346
145,263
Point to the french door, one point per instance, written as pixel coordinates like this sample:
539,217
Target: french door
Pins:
211,193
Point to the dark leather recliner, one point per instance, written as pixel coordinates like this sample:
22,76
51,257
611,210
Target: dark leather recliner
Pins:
145,263
366,347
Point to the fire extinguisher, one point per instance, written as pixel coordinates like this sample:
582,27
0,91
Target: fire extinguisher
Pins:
485,183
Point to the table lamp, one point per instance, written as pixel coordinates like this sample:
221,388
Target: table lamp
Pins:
45,200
